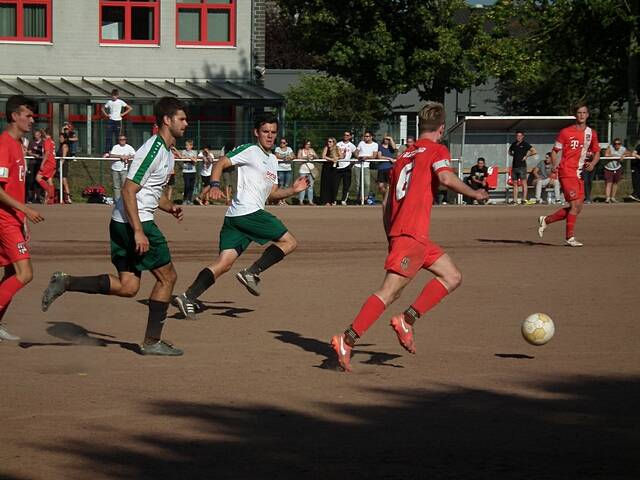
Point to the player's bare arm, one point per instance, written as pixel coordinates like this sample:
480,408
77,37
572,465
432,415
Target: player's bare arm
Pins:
300,185
166,205
554,159
449,180
213,191
30,213
129,192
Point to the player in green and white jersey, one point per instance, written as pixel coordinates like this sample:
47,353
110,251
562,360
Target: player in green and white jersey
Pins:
246,220
137,244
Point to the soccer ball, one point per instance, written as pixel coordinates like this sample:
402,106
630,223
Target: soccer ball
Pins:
538,329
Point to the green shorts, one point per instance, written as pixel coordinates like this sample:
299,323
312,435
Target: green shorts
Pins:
123,248
260,227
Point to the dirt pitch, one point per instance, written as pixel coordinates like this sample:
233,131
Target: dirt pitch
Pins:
256,396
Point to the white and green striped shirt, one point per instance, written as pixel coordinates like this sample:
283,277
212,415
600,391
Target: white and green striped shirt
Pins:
151,167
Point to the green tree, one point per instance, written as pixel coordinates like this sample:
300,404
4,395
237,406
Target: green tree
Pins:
577,50
321,97
389,47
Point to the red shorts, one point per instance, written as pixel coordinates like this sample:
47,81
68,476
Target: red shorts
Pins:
13,246
572,188
47,173
407,255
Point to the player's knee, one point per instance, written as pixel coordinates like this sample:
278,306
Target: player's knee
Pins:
25,276
453,280
128,290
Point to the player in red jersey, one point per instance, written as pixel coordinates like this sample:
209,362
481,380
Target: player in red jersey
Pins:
406,216
48,167
577,143
14,250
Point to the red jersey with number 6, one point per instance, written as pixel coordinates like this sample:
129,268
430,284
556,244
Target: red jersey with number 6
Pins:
412,183
575,144
12,178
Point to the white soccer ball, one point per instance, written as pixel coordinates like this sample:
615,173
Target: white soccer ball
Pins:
538,329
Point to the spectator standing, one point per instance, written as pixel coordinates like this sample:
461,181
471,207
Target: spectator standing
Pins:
367,150
386,151
35,150
48,167
284,154
122,153
477,179
189,160
307,170
545,175
331,156
635,175
71,137
343,169
613,169
114,111
63,165
208,160
520,150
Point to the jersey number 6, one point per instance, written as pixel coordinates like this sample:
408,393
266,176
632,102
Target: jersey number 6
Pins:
403,181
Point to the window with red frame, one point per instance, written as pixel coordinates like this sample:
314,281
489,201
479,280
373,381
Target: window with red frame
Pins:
206,22
25,20
130,21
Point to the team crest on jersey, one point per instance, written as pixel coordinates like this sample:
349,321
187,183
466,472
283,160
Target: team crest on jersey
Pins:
4,172
573,194
272,177
404,263
22,248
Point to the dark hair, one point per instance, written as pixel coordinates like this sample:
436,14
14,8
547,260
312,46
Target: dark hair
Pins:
167,107
115,91
482,158
519,131
410,137
264,119
14,104
578,106
368,132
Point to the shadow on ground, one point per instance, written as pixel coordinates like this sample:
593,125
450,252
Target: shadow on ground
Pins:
74,335
324,350
528,243
222,308
580,428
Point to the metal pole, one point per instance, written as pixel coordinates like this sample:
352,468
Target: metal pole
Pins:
89,128
609,128
362,184
61,199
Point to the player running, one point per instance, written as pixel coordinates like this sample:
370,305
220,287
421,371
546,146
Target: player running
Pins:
14,236
246,220
406,216
576,142
137,244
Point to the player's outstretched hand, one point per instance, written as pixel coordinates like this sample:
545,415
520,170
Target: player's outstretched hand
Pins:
177,212
301,184
588,166
481,195
33,215
142,243
214,193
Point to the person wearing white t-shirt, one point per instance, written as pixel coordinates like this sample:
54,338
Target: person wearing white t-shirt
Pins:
189,159
367,149
207,158
246,220
114,111
343,171
284,154
122,153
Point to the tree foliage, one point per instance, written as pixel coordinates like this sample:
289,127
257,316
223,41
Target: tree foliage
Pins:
332,99
389,47
577,50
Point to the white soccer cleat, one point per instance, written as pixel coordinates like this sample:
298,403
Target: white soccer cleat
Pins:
572,242
542,225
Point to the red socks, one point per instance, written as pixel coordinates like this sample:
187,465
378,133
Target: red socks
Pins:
557,216
369,313
50,189
561,215
571,223
8,289
431,294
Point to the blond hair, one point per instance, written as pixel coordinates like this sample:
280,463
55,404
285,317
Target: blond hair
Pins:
431,117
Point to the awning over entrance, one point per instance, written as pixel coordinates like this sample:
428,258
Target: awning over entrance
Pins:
96,90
